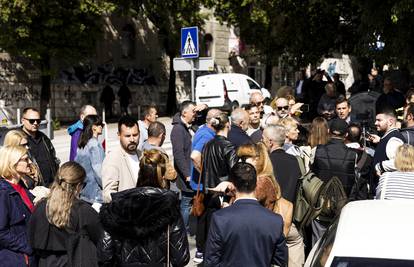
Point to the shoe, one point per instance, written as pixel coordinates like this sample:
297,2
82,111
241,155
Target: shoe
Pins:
198,258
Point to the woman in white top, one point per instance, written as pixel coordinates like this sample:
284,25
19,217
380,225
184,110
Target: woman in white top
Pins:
399,184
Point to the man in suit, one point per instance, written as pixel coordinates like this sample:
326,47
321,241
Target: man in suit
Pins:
120,167
245,234
239,125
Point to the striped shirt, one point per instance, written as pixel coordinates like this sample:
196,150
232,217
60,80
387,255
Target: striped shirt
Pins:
396,185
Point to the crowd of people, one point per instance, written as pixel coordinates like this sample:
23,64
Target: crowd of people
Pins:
241,170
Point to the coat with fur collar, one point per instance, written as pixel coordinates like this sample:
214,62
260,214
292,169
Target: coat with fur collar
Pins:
136,223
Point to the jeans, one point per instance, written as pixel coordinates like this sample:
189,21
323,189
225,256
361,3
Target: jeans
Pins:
185,206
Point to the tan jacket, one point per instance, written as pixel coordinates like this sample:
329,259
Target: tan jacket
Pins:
117,173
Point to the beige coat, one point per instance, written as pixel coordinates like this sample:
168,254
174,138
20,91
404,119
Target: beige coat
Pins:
117,173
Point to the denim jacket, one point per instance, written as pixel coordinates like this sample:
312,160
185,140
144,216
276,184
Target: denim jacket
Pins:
91,158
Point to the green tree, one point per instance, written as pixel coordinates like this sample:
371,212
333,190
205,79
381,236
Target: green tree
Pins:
44,30
168,17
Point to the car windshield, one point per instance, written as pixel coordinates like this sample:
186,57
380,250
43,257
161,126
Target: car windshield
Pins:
325,246
369,262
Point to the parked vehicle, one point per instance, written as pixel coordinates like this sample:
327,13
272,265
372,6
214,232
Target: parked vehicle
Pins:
368,233
227,90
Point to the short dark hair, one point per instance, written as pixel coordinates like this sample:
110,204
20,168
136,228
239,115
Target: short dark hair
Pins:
128,121
410,109
387,110
353,133
147,110
342,99
185,104
155,129
249,107
25,110
409,94
243,176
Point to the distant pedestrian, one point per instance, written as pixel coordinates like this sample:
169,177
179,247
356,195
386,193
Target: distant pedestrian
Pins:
107,98
90,156
75,129
64,230
124,95
245,234
150,115
40,146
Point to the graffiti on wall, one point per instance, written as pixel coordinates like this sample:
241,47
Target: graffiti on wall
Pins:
106,73
12,94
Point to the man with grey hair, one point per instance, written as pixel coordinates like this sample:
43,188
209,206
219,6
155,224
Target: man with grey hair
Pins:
75,129
287,172
239,125
156,137
285,166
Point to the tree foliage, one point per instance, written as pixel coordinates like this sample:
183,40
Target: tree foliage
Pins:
306,30
43,30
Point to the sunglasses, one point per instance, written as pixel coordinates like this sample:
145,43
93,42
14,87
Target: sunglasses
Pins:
258,103
32,121
284,107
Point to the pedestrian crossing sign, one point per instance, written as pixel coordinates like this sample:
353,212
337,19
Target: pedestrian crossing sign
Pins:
189,42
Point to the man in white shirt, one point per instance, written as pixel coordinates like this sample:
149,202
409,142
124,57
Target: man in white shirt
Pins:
121,166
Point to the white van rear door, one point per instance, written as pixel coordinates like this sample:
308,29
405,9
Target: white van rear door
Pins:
233,88
209,90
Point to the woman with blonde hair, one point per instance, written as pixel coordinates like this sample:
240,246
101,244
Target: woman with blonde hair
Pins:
399,184
143,225
64,230
16,207
268,193
19,138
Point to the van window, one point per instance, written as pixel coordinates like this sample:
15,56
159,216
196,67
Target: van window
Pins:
253,85
363,262
325,246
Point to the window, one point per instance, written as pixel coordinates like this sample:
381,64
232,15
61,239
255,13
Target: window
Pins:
253,85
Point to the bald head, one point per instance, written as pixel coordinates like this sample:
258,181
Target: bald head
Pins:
86,110
270,120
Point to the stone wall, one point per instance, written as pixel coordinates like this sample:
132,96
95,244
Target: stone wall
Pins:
67,99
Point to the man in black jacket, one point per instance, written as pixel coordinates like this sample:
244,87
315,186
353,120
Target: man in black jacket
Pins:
285,166
239,125
408,132
181,145
40,146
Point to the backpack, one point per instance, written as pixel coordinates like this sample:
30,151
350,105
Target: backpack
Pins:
307,195
317,200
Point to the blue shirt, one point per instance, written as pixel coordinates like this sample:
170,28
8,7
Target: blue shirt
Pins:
201,137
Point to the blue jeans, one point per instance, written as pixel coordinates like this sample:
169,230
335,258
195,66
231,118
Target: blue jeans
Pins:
185,206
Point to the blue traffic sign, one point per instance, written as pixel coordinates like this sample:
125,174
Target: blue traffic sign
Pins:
189,42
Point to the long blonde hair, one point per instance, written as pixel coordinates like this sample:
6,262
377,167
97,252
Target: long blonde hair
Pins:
264,165
10,156
63,193
404,158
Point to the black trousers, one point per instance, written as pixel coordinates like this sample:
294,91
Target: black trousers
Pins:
211,204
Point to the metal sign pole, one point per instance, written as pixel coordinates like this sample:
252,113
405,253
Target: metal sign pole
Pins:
192,80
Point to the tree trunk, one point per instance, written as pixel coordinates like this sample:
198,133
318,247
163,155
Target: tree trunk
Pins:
46,80
268,75
172,95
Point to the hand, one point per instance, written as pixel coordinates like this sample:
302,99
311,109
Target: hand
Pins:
200,107
296,108
188,178
225,205
374,138
223,186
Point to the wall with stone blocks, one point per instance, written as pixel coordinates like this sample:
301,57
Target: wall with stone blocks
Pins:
67,99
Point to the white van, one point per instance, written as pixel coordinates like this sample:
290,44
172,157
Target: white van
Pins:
227,90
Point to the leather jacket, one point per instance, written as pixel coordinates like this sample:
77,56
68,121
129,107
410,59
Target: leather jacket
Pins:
136,223
219,156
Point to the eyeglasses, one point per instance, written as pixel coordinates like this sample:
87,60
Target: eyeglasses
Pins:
32,121
258,103
284,107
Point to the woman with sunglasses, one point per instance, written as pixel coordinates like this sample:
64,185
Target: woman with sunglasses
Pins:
33,181
90,156
64,230
16,206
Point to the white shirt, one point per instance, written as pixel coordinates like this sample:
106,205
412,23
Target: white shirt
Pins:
134,163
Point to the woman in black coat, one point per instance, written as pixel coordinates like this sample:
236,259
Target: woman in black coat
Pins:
140,221
63,229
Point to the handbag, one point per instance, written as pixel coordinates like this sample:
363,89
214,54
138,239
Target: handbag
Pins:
198,200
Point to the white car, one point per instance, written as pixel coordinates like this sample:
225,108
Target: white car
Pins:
226,90
369,233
